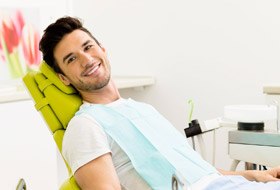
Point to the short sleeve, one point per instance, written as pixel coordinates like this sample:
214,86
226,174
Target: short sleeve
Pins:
83,141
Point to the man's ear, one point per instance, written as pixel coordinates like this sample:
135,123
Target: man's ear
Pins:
103,49
64,79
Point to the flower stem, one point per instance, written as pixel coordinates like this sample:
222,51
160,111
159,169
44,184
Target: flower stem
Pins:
13,61
16,64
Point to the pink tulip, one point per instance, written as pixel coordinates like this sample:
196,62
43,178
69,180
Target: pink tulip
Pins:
30,44
2,54
19,22
9,33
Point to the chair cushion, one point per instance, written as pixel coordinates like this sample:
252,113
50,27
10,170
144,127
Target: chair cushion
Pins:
52,76
70,184
58,138
63,105
57,102
41,102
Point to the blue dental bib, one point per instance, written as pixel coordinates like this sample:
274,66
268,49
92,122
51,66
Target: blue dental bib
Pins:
156,149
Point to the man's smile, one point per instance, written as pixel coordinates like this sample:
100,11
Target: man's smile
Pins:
92,70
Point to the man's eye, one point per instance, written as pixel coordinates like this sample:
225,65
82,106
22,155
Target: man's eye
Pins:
88,47
71,59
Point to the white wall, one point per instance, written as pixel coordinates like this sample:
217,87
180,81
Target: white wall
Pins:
215,52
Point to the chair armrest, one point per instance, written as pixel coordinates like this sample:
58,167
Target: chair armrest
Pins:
70,184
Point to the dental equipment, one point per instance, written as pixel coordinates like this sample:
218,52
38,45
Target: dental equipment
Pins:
250,117
251,143
195,129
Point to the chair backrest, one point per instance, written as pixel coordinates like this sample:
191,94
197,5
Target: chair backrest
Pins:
56,101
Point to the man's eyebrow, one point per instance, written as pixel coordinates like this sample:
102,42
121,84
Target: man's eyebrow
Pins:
84,44
66,57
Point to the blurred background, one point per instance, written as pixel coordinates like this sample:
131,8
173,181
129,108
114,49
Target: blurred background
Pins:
217,53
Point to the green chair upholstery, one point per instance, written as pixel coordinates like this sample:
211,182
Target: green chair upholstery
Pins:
57,104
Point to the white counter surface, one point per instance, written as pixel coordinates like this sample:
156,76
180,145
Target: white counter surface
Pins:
16,92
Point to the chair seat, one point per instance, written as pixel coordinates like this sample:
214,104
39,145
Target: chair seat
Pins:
70,183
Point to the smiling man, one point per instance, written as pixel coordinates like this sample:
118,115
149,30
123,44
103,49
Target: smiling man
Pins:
116,143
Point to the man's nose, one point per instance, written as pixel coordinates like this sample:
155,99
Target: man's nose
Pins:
87,59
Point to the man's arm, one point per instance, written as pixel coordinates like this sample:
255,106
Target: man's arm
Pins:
98,174
255,175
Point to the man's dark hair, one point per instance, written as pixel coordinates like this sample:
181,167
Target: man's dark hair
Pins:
53,35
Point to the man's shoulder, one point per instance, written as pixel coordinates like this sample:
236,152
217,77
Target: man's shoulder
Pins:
82,121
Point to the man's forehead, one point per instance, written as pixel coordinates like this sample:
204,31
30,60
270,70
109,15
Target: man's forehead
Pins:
70,42
77,36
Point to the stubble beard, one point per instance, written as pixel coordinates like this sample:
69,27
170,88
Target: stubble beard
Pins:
82,86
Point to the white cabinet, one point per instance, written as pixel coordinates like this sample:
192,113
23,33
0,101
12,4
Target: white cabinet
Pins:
27,148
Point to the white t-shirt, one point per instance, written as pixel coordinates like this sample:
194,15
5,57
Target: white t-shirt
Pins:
84,140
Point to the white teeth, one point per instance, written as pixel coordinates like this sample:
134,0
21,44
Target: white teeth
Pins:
92,71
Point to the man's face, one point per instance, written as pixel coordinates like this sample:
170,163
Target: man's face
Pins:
84,63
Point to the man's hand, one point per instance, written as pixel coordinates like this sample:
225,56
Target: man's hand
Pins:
255,175
268,175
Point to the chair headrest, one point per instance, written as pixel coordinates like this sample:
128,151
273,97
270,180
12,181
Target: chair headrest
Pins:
56,101
54,79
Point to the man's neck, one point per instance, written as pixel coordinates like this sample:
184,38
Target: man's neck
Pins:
106,95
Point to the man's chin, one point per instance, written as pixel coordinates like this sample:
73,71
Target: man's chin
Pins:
100,85
103,84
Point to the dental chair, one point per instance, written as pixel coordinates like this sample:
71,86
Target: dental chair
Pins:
57,104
